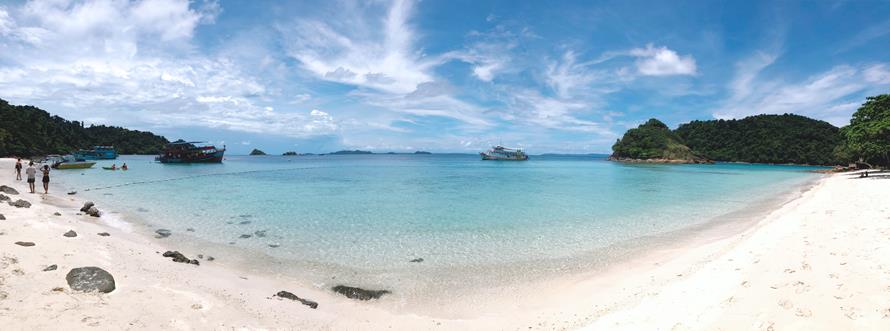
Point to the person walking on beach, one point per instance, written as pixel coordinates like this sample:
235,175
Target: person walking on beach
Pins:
18,169
31,172
46,179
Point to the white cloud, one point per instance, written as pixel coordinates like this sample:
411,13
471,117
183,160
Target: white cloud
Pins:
662,61
832,95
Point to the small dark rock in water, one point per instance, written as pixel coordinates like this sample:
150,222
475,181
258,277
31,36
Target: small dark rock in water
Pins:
51,268
70,234
142,210
178,257
72,193
190,230
86,206
260,234
245,216
245,236
20,204
244,222
57,214
24,243
274,245
417,260
93,211
163,233
291,296
359,293
89,279
8,190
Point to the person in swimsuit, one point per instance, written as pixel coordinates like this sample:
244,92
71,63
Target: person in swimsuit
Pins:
124,167
32,175
46,179
18,169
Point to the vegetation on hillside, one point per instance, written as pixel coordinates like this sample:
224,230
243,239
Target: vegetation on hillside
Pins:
867,138
30,131
653,140
784,138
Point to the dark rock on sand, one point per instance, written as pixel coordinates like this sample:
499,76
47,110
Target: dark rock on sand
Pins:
86,206
24,243
178,257
93,211
89,279
57,214
20,204
70,234
417,260
210,258
163,233
2,218
359,293
245,236
8,190
51,268
3,197
291,296
72,193
104,234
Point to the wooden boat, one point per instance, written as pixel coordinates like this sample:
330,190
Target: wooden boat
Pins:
74,165
97,153
189,152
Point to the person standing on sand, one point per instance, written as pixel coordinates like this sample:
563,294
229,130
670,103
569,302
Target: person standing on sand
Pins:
18,169
32,175
45,179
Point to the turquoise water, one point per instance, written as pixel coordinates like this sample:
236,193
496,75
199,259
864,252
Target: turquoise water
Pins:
373,213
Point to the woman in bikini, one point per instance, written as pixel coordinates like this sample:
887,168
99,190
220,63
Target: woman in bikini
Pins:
46,179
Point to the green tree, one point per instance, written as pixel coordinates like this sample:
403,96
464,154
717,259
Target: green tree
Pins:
868,134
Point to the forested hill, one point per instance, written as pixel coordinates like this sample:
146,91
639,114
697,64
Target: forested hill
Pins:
784,138
653,141
31,131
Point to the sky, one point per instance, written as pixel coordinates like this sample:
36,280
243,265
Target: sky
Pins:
440,76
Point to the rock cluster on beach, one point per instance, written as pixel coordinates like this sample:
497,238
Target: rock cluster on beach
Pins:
90,279
291,296
20,204
359,293
178,257
8,190
90,209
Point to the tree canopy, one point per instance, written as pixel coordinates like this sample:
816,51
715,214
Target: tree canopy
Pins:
868,135
652,140
31,131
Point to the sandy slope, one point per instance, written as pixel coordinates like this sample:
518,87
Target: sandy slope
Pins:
819,262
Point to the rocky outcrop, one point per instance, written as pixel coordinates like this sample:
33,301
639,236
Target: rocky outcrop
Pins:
359,293
291,296
90,279
178,257
20,204
163,233
8,190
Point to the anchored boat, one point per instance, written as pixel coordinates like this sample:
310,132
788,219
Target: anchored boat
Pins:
181,151
69,162
504,153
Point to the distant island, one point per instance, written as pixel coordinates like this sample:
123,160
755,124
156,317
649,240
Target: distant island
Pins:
291,153
345,152
653,142
31,131
256,152
422,152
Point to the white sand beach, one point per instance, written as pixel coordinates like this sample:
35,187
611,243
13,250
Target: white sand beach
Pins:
819,262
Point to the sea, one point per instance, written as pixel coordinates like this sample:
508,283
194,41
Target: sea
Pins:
363,219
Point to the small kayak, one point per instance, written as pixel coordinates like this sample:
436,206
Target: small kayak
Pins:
109,168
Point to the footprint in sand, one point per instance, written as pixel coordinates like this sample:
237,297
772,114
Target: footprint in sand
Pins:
785,303
805,266
803,312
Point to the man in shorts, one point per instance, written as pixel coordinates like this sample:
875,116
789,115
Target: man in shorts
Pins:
32,175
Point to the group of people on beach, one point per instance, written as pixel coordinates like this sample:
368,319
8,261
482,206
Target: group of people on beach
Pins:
31,172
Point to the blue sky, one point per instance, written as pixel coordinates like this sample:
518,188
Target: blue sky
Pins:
442,76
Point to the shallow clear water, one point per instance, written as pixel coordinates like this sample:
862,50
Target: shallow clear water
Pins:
375,212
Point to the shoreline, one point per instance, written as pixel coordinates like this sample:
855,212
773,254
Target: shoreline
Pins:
226,299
